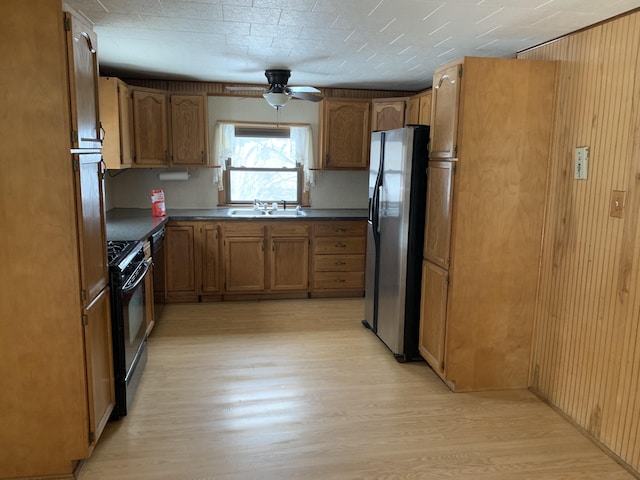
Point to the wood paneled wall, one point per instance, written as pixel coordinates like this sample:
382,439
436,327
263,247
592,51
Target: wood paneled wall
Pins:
218,88
586,343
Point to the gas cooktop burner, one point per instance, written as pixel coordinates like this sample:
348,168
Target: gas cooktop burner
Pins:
117,249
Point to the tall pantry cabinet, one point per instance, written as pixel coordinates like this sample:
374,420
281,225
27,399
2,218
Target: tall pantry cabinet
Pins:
490,131
56,369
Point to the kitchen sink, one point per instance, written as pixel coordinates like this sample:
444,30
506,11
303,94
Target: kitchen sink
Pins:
286,213
247,212
252,213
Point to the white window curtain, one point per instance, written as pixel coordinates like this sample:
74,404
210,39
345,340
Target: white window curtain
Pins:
222,149
301,141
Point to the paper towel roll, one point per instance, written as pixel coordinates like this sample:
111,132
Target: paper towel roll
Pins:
174,176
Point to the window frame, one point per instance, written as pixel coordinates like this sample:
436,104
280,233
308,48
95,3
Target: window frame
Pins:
224,194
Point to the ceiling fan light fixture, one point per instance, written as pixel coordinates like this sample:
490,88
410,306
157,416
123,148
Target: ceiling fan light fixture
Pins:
276,100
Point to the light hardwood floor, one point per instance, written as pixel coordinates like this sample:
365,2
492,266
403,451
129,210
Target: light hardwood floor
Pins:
300,390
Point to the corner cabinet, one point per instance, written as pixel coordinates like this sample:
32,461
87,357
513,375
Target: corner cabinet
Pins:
483,229
344,134
57,359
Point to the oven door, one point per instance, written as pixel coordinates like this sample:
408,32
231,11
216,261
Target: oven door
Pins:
134,314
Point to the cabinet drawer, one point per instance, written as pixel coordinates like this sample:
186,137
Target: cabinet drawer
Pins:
339,245
338,263
341,280
289,229
340,228
244,229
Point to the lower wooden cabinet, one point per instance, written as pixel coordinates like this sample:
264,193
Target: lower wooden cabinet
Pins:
209,260
193,260
244,258
433,315
96,318
266,257
338,258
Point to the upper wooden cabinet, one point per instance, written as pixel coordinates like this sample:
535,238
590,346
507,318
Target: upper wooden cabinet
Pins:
483,232
180,142
344,134
151,128
419,109
82,46
424,101
444,121
116,112
188,130
388,113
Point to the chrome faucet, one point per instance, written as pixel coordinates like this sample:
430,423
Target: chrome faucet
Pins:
257,204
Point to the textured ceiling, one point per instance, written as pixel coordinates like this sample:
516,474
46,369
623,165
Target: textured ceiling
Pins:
371,44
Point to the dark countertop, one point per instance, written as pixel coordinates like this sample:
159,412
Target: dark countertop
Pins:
138,224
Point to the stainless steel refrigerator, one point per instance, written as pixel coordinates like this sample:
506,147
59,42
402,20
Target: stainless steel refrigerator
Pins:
395,234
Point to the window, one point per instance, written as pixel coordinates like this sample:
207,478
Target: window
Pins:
264,162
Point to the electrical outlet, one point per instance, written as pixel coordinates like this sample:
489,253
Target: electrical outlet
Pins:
581,163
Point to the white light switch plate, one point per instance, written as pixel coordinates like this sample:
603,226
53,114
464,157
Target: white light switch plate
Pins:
582,163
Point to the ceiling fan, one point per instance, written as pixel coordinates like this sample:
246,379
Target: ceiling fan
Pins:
278,93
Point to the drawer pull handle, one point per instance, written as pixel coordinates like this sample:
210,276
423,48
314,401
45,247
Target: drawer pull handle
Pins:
340,280
340,245
341,263
341,230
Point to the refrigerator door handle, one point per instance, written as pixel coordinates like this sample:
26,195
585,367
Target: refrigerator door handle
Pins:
379,208
370,213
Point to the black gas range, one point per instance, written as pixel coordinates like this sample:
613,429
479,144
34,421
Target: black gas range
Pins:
127,273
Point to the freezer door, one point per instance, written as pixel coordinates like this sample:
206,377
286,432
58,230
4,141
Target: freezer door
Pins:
373,240
394,226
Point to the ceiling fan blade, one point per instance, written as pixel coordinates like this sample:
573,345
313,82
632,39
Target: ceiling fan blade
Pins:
304,89
306,96
244,89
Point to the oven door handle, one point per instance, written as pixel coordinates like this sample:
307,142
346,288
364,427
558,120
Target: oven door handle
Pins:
128,288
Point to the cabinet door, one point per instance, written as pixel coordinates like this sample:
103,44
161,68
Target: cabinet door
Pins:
244,264
150,126
188,130
83,83
99,363
289,263
116,111
91,223
413,110
210,251
433,315
425,109
345,134
125,114
388,115
180,259
437,236
444,111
